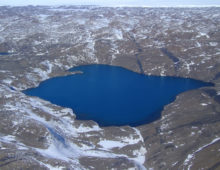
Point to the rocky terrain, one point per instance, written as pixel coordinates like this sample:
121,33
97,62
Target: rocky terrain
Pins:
37,43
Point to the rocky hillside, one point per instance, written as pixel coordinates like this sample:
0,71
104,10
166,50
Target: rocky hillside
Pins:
37,43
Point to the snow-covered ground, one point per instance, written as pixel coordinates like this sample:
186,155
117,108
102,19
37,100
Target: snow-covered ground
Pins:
62,133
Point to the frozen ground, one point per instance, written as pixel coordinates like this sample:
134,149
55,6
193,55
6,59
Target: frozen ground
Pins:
44,42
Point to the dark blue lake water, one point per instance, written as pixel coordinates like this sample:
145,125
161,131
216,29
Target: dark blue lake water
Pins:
113,95
4,53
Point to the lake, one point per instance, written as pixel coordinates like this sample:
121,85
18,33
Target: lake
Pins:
113,96
4,53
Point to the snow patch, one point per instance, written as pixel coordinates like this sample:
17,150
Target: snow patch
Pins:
84,129
192,156
57,150
7,81
43,74
109,144
140,155
118,34
213,44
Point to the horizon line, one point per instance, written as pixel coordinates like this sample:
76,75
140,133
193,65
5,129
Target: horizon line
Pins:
118,6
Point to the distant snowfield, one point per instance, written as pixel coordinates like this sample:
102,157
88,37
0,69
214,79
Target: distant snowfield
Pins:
116,3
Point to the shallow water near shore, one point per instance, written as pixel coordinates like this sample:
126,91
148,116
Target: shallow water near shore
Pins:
113,96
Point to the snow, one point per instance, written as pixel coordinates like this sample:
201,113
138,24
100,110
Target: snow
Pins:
201,34
189,157
7,138
164,126
162,73
204,146
192,156
3,71
67,111
8,95
7,81
43,17
130,139
109,144
140,155
85,129
59,151
10,139
213,44
174,163
43,74
187,65
40,54
198,44
49,166
61,131
192,133
118,34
